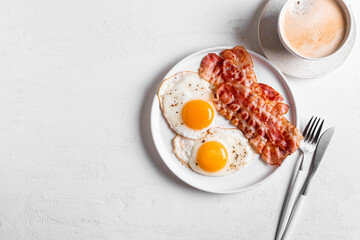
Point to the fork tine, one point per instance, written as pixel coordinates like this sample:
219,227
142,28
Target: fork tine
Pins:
318,132
306,138
311,138
307,126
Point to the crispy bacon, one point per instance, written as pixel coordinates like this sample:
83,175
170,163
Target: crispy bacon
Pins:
211,68
239,56
255,108
269,93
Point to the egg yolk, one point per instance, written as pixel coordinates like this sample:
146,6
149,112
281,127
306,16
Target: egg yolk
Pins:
212,156
197,114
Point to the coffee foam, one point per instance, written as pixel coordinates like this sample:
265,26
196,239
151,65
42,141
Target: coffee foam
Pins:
300,8
314,28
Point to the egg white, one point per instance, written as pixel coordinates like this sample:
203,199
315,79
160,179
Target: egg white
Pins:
175,92
240,153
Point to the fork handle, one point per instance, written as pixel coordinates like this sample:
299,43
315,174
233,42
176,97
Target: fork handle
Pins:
294,213
289,198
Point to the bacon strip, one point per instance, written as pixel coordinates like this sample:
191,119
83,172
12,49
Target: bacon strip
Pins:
255,108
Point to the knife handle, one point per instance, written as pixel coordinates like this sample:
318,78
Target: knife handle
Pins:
289,200
293,215
288,203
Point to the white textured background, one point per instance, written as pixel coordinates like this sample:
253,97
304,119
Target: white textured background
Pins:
76,156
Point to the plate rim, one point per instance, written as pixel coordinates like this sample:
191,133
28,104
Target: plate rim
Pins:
155,103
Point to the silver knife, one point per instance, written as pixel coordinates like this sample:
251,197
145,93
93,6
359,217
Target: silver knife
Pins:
321,147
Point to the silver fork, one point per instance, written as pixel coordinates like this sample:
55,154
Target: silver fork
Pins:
308,144
311,135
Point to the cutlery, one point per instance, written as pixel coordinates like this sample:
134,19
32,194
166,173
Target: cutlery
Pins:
323,144
311,135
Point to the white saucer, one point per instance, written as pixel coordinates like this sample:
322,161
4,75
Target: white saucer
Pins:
285,61
253,174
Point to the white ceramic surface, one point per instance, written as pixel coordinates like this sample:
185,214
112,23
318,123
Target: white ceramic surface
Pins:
253,174
288,63
77,159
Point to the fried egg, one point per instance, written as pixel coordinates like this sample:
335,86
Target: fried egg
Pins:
186,102
222,152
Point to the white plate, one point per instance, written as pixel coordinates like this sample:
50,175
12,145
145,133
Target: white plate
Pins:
253,174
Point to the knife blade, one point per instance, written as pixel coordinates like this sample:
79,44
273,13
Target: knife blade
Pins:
320,150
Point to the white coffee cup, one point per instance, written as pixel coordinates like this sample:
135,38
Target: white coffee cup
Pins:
348,18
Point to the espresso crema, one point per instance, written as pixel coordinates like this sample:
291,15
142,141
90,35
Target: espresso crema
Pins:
314,28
